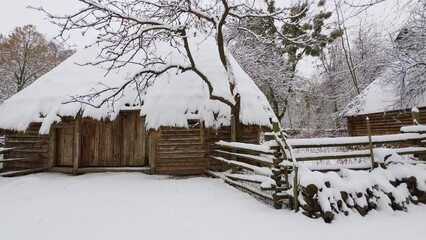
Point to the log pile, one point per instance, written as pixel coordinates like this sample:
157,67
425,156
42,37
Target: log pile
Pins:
324,196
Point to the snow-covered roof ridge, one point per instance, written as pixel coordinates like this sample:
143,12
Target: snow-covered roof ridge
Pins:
173,98
381,96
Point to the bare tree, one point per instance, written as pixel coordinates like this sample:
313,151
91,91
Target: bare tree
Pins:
126,29
305,34
25,55
408,59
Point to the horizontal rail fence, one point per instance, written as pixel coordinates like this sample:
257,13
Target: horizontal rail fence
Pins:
259,169
272,165
5,151
405,143
254,170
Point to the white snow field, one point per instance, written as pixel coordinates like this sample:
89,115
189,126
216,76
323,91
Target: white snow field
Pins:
137,206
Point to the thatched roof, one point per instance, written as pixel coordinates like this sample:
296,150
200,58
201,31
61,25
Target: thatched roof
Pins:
382,95
172,99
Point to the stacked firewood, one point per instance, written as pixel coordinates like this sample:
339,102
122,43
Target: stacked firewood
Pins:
321,200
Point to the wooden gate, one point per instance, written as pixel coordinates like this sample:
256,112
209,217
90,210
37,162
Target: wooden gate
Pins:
64,145
118,143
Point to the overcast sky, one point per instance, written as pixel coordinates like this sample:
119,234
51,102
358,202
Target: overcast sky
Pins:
15,13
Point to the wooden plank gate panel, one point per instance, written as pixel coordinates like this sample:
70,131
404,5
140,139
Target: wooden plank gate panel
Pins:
100,143
133,139
118,143
64,146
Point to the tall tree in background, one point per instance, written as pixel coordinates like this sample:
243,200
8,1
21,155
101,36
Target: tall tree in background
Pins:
302,35
408,59
25,55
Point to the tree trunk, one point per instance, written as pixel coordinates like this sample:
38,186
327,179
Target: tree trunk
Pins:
236,126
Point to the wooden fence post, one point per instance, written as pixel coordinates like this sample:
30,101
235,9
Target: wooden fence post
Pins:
370,141
233,139
295,189
415,113
277,171
77,143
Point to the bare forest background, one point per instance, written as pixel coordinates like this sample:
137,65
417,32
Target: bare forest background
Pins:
271,43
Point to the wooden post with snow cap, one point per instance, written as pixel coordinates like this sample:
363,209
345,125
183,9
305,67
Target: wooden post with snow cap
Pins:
277,170
370,141
233,139
415,113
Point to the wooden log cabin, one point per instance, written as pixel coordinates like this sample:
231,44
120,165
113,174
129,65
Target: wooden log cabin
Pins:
380,102
168,128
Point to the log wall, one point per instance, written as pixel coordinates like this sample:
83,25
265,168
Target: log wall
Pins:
29,145
181,151
123,142
382,123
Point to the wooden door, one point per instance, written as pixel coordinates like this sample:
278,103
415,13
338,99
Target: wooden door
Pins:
133,139
117,143
64,146
100,143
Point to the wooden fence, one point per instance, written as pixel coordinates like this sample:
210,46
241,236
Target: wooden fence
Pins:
276,162
17,158
17,172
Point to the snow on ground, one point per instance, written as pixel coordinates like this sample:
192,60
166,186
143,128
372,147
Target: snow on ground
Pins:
136,206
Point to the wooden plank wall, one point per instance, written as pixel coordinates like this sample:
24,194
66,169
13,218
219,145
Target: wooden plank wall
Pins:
382,123
100,143
133,139
114,143
30,144
181,151
64,149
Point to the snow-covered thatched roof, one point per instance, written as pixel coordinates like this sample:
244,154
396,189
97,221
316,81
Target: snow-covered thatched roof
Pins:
173,98
381,96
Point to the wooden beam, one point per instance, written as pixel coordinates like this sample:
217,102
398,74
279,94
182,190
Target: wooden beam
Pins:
77,144
5,150
353,154
21,172
153,135
17,159
52,148
202,132
352,141
240,185
257,159
370,143
244,147
61,169
146,170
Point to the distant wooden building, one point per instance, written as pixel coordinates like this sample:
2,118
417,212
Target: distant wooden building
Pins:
168,128
380,103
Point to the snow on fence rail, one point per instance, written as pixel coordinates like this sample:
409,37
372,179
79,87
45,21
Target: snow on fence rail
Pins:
268,150
274,163
351,141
